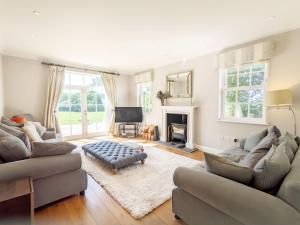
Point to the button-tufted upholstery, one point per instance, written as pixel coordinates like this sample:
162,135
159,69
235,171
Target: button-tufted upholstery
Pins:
114,154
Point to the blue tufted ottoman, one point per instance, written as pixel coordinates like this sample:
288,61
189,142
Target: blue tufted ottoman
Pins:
114,155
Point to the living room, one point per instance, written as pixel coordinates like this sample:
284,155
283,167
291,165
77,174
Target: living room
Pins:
150,112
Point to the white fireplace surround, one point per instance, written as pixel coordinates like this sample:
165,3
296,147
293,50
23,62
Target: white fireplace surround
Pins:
187,110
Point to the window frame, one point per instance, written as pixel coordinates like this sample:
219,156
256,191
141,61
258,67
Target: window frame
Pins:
140,103
223,89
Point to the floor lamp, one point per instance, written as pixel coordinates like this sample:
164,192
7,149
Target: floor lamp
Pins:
282,98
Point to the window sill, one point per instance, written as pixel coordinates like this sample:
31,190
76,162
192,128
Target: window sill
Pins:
244,122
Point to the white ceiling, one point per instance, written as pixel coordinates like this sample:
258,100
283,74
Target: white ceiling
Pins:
135,35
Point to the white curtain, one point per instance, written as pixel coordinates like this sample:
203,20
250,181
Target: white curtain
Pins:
55,86
110,89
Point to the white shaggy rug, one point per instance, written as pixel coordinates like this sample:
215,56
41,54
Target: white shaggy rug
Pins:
140,188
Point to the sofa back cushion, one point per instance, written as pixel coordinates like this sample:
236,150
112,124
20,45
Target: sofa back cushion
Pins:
8,122
17,132
271,169
227,168
289,190
259,151
12,148
291,140
254,139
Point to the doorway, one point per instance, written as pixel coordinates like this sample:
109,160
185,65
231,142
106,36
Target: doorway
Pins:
82,106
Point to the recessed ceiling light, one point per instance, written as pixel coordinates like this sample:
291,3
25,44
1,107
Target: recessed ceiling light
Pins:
271,18
35,12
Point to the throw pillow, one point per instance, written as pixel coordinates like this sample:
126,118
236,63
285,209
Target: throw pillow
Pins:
39,128
40,149
31,131
275,130
271,169
288,151
228,169
290,139
12,148
17,132
254,139
8,122
18,119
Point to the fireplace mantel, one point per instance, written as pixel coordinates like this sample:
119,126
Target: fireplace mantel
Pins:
187,110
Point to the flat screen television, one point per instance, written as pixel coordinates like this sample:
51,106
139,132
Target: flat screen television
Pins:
128,115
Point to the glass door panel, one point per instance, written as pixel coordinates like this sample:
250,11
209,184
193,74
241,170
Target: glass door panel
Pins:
95,112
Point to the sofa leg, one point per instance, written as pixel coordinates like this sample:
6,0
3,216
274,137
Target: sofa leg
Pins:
177,217
82,193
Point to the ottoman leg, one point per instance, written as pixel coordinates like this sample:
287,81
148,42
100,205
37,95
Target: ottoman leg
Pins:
143,161
115,171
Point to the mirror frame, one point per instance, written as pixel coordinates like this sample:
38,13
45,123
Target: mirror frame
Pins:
189,84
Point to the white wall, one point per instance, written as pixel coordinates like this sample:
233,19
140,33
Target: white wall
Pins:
284,73
1,87
25,87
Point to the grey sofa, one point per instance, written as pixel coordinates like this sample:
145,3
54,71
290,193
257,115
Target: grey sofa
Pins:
208,199
54,177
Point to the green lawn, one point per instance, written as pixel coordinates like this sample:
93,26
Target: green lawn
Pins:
63,117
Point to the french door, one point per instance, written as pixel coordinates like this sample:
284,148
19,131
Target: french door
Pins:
82,106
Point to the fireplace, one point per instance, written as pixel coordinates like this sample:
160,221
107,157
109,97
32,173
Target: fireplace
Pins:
177,129
180,119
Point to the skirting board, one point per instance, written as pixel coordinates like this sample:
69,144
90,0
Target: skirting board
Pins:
208,149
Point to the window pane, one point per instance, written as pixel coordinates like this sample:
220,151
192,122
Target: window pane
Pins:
75,97
256,96
258,78
244,80
231,81
230,110
232,71
243,96
256,111
76,79
231,96
100,98
90,81
91,97
64,98
258,68
242,110
67,79
245,70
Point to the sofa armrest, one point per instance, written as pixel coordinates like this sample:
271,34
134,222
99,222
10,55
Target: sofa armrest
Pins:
49,135
40,167
245,204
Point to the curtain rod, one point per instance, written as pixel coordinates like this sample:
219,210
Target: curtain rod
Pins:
74,67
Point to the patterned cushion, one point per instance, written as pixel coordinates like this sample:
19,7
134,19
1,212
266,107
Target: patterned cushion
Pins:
114,154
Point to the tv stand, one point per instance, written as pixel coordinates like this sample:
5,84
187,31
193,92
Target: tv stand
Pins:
128,129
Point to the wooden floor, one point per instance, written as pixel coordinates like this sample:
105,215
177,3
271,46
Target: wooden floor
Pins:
98,207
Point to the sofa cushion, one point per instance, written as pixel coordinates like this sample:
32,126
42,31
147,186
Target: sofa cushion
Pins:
39,128
227,168
234,154
290,139
275,130
271,169
8,122
40,149
254,139
259,151
17,132
12,148
289,190
31,132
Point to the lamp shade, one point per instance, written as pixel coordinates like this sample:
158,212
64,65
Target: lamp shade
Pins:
280,98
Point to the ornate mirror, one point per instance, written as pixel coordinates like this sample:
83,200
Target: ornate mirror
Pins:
179,85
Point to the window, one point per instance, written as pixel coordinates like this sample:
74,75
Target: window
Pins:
144,96
242,93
